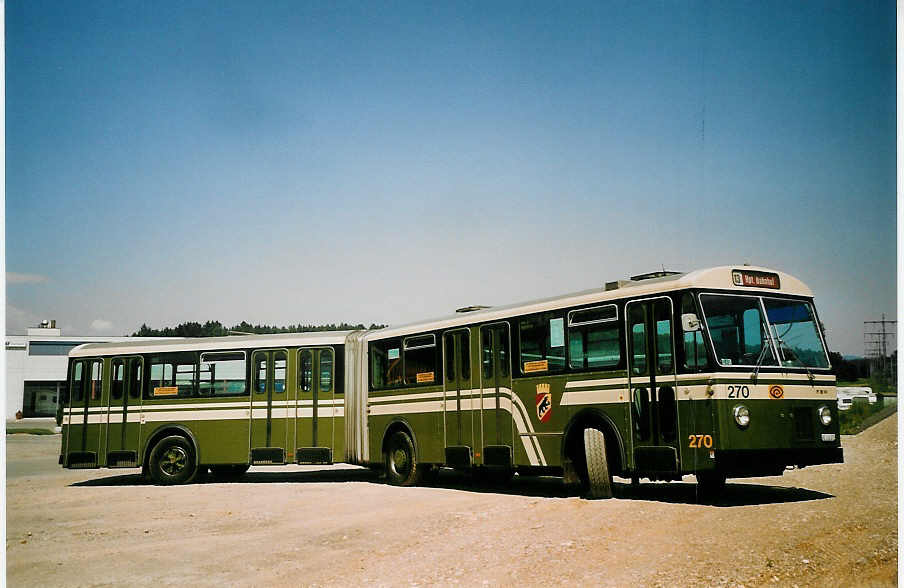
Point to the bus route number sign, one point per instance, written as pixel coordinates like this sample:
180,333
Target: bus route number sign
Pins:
752,279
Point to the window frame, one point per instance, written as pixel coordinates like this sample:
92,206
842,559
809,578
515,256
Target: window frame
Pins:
148,392
759,296
555,313
437,373
370,366
583,324
593,322
809,304
244,353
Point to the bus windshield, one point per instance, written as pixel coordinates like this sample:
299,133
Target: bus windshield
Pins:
741,333
794,329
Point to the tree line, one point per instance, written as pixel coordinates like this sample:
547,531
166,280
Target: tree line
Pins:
848,370
217,329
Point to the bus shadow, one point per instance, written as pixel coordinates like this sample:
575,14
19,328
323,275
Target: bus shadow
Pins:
256,477
734,494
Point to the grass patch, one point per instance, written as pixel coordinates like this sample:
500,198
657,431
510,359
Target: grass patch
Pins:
30,431
862,415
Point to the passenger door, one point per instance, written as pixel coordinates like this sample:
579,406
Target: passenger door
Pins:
86,407
269,407
315,422
124,412
651,373
496,385
459,413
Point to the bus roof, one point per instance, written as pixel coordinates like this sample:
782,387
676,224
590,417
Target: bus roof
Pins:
717,278
211,343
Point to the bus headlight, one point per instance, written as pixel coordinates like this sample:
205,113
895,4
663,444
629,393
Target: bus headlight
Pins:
825,416
742,416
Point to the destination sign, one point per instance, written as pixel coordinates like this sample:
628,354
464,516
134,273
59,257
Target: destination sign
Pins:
754,279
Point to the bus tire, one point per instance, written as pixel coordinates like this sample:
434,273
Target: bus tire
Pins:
173,461
402,468
229,472
599,481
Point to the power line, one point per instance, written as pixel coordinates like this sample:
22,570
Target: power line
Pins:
876,336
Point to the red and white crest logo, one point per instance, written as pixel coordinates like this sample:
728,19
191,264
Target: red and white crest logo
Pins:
544,403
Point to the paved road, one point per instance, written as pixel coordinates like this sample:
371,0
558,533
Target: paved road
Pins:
826,526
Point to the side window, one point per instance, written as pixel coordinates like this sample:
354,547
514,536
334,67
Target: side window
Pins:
494,336
326,370
486,353
306,370
185,379
117,383
279,372
222,374
637,339
694,351
593,338
662,315
76,385
503,352
136,366
97,379
542,343
450,358
173,374
259,373
386,363
161,376
420,360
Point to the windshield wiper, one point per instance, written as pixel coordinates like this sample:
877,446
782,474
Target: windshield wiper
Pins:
759,360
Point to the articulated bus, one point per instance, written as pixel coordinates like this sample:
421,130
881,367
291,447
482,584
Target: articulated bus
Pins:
721,372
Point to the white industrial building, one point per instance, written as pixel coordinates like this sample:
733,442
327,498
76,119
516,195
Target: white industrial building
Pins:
36,368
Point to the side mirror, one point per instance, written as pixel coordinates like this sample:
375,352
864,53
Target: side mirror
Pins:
690,322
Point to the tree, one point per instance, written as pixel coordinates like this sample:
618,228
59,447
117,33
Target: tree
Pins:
216,329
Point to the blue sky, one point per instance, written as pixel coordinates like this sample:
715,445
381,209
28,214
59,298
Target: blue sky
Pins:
287,162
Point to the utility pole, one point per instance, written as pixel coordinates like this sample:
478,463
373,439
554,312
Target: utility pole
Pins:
876,335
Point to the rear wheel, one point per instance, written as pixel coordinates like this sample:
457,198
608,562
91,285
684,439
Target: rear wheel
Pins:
173,461
402,468
599,481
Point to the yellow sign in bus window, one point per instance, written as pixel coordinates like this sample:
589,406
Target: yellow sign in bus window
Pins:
536,366
424,377
166,391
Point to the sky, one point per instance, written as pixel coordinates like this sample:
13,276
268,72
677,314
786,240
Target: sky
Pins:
289,162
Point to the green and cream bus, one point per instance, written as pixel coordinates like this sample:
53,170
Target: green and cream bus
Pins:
721,372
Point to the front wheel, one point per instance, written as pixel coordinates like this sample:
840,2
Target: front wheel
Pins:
599,481
173,461
402,468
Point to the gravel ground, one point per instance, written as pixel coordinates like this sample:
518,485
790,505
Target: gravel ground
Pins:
824,526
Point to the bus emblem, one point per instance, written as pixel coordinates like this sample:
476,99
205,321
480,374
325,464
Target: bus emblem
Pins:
776,391
544,402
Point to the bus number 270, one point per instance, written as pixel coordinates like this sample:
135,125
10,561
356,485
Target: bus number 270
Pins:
700,441
738,392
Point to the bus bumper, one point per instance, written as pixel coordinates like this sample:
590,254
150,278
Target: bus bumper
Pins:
747,463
